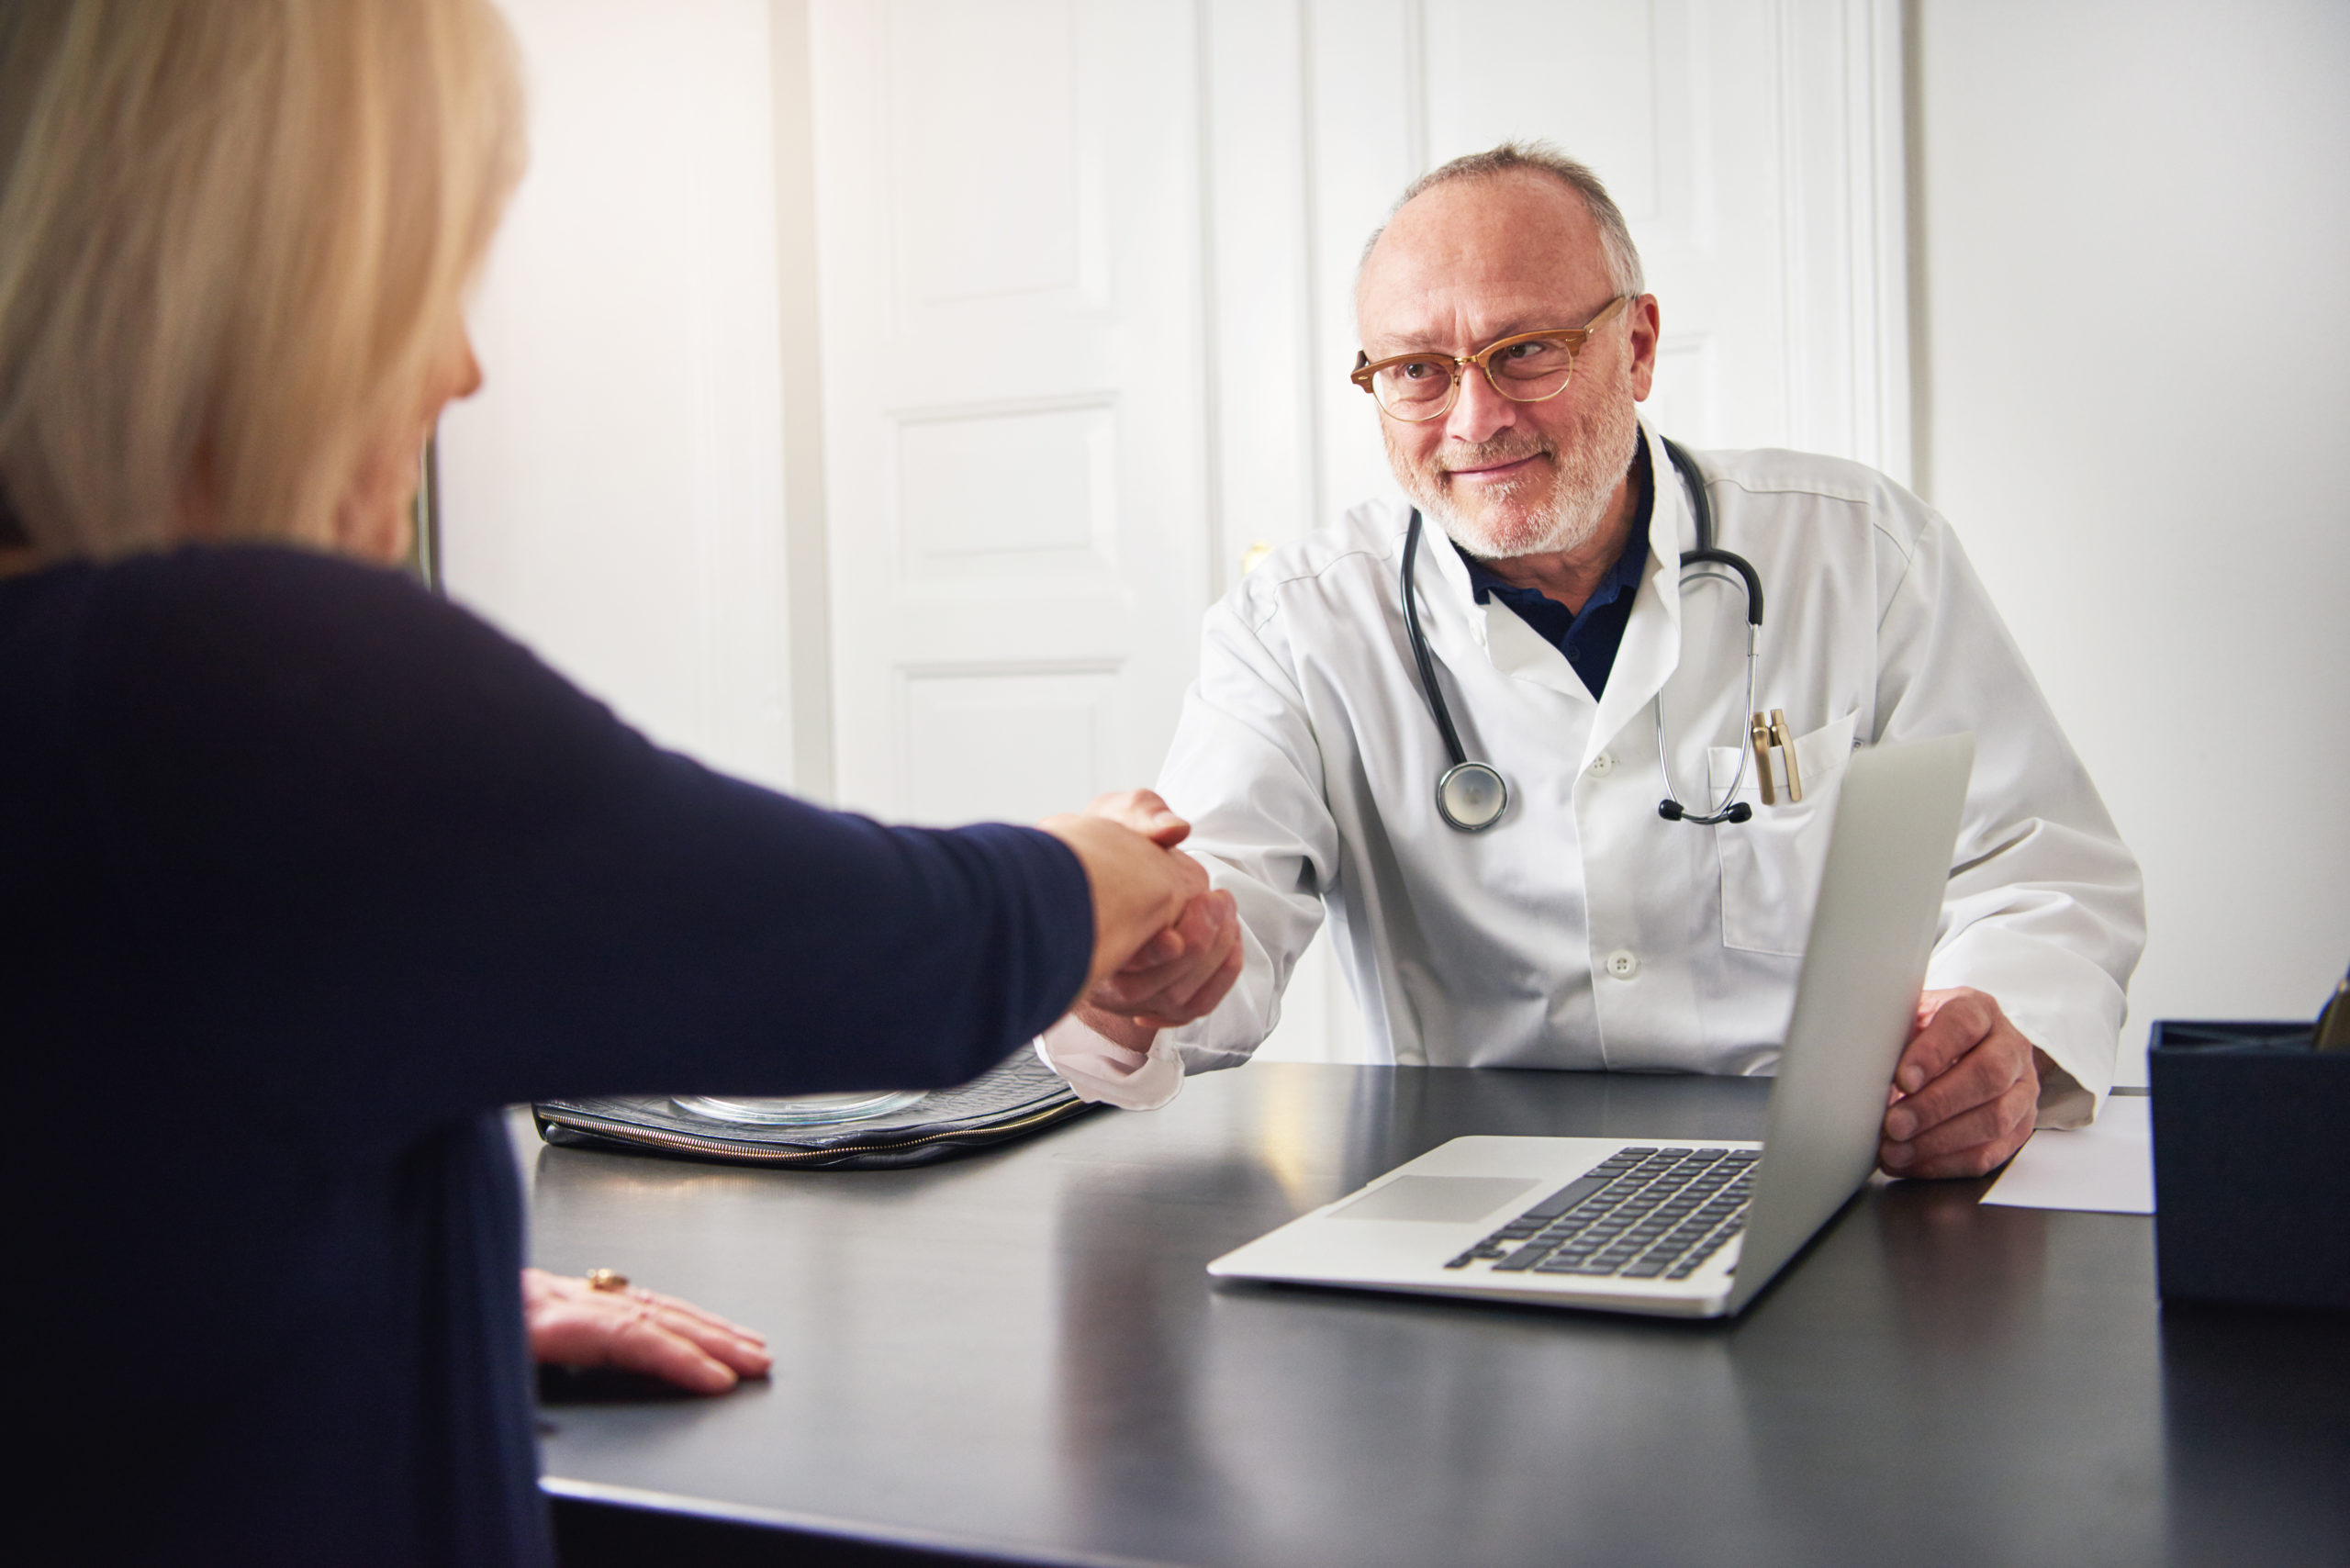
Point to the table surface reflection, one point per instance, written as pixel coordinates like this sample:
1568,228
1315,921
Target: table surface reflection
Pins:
1018,1356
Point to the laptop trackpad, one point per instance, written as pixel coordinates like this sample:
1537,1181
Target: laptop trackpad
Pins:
1436,1197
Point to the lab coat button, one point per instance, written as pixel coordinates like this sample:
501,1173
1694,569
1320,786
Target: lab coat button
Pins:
1623,963
1603,765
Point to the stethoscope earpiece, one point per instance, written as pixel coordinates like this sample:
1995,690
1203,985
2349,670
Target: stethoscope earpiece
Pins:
1472,796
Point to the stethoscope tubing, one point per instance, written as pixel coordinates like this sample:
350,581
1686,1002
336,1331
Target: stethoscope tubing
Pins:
1707,554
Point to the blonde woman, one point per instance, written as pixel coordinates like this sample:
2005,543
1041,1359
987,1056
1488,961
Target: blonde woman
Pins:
304,873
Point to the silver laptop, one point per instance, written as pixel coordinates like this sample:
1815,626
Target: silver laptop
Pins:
1678,1227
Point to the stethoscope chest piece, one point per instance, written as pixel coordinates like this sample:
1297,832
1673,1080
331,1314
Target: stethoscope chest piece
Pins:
1471,796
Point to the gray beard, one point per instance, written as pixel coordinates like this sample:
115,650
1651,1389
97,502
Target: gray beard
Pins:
1588,472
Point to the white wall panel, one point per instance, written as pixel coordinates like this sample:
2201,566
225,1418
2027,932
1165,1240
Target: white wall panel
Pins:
2137,378
1601,77
1006,746
986,148
1030,493
614,495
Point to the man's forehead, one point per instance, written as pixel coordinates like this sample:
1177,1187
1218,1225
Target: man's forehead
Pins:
1486,249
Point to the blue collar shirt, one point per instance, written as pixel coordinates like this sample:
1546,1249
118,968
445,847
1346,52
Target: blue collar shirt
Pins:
1590,637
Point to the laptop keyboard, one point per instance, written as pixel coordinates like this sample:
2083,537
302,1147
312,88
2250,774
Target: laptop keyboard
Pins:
1642,1213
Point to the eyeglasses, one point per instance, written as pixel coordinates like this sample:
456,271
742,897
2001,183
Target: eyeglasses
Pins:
1528,367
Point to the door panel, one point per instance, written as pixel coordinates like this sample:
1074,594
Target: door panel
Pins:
1008,223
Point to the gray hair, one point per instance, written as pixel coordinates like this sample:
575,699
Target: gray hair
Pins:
1623,258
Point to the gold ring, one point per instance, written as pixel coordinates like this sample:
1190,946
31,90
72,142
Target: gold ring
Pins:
607,1280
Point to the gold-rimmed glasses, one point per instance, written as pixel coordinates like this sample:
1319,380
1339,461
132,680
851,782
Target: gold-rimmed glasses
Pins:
1525,367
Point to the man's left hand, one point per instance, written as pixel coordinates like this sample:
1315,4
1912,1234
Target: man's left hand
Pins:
1965,1093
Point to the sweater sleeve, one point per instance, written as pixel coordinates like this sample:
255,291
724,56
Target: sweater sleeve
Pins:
374,849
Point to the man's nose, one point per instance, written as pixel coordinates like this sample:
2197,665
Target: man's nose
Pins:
1478,412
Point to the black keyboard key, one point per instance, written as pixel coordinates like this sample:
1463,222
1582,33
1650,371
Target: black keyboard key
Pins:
1565,1198
1523,1257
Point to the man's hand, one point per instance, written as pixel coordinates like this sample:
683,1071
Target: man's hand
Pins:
1964,1093
1182,973
573,1324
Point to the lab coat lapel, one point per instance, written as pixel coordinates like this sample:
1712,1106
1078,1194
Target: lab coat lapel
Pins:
1515,649
1650,650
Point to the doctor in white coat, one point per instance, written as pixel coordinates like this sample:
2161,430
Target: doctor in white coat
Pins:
1583,929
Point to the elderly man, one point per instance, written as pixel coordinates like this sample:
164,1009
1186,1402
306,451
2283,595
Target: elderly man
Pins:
1564,921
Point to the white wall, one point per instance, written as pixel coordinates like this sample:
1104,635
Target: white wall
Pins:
614,495
2132,364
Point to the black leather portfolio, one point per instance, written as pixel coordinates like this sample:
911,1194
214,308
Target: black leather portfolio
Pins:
1017,1096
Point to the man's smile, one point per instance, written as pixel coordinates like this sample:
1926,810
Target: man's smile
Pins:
1500,471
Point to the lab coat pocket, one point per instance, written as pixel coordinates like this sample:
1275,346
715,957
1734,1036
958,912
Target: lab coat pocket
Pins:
1771,862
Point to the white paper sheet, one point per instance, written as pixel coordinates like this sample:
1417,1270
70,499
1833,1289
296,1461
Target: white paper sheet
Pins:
2107,1167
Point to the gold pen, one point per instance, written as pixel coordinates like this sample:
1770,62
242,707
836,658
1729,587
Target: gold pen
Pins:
2332,1033
1760,731
1786,742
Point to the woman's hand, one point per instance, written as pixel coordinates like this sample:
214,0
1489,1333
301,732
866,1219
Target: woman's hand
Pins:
1182,973
575,1323
1141,884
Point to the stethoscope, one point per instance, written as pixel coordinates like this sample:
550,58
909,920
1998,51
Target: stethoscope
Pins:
1471,796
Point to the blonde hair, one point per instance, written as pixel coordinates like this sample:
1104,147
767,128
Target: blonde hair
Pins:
234,234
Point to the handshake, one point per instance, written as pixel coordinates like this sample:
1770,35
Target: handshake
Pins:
1165,950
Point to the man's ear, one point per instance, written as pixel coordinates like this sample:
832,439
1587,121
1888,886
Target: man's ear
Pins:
1644,331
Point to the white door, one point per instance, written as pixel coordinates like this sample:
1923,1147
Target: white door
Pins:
1086,299
1008,243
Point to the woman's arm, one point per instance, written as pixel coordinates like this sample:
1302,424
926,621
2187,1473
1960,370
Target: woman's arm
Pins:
385,852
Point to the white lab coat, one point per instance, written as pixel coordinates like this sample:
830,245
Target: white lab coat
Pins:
1583,930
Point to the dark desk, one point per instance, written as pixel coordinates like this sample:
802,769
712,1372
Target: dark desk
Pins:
1017,1356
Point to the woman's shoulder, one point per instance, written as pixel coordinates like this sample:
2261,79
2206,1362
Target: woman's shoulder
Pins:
265,596
247,624
246,657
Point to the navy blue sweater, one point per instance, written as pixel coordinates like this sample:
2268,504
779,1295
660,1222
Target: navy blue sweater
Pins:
303,874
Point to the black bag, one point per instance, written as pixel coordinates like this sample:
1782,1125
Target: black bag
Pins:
1018,1096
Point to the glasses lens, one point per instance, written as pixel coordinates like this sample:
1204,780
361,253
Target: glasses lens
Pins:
1414,389
1533,370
